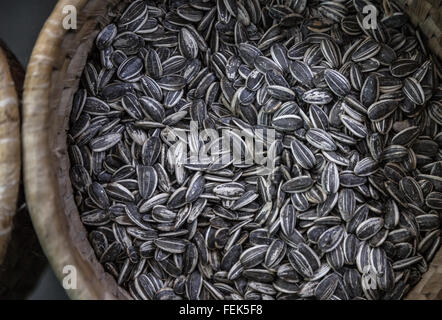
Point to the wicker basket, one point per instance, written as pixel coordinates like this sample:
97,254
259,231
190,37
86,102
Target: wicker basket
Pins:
21,259
427,16
52,78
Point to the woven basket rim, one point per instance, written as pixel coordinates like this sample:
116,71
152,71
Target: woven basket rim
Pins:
10,158
64,246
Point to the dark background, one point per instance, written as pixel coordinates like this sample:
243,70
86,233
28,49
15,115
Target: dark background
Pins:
20,24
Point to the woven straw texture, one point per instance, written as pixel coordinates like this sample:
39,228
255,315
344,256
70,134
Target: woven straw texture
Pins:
21,259
52,78
9,151
427,16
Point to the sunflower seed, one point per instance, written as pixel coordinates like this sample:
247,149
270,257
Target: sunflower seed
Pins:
381,110
253,256
298,184
413,90
302,154
331,238
369,228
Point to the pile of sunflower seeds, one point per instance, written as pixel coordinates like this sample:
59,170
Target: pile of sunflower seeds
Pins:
351,206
